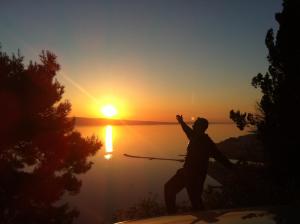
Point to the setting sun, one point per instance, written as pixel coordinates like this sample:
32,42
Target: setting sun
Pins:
109,111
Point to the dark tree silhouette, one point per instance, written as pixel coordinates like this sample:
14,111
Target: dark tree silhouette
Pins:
277,120
40,153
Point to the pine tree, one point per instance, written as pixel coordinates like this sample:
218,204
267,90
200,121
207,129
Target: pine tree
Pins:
277,120
40,153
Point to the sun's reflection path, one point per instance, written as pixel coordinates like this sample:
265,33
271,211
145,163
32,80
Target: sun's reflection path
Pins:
108,142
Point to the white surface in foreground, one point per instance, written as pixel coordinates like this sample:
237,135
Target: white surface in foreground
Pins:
248,216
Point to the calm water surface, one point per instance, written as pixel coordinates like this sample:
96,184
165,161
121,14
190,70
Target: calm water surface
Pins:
115,181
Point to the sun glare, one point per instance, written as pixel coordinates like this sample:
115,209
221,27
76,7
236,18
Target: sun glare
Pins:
109,111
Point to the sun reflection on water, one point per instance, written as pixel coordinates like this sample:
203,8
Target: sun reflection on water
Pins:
108,142
108,156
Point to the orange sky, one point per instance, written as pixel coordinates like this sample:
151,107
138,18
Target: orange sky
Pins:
136,99
150,59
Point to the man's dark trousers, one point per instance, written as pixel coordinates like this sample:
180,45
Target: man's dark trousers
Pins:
184,179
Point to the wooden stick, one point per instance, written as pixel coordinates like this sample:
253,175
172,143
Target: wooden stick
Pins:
153,158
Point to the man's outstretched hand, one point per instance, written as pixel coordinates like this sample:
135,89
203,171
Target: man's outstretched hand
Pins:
179,118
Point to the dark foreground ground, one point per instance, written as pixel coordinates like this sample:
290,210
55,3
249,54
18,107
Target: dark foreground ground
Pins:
276,215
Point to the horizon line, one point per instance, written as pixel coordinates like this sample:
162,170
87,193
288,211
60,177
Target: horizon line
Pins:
114,121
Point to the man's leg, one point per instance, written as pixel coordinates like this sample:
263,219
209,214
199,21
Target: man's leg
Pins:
172,187
195,189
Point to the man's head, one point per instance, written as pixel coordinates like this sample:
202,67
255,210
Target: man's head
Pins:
200,125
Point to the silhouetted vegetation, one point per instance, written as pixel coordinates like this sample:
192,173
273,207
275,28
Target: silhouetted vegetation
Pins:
277,119
40,154
145,208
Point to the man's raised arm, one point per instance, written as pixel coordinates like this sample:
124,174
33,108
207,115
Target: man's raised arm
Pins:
187,130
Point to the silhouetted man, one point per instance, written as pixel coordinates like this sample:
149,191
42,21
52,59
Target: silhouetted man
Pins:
194,170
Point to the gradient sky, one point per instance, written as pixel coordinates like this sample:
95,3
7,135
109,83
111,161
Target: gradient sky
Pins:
152,59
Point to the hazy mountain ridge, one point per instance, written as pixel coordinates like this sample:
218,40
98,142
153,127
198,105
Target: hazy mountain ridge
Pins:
84,121
87,121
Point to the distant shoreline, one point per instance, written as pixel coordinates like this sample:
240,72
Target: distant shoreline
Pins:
85,121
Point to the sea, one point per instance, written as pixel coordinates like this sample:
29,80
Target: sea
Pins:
117,182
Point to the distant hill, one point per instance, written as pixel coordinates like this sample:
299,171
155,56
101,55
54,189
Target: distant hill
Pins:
84,121
246,147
